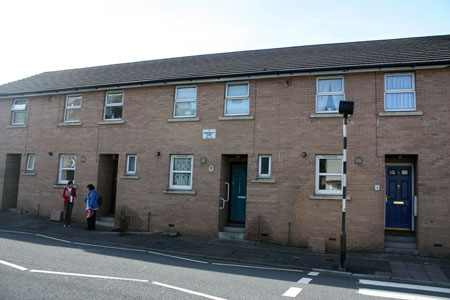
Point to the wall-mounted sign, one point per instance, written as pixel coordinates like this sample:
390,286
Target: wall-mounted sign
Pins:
209,134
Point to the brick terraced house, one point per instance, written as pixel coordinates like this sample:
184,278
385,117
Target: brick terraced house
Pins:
247,142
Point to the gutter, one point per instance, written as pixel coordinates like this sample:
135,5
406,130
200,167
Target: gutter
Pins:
240,76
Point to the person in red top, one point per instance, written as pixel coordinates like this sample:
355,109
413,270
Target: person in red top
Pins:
69,195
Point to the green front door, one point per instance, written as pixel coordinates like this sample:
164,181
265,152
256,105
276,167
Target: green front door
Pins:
238,200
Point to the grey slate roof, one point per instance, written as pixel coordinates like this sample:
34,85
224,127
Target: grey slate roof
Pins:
383,53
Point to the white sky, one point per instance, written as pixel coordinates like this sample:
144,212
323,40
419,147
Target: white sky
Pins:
47,35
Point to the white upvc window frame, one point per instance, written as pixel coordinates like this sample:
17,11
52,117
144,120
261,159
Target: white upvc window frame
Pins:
31,159
318,174
15,110
260,158
60,169
240,97
172,172
412,90
113,105
184,101
329,94
72,107
128,171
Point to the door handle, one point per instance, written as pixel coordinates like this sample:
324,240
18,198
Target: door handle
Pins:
399,202
242,197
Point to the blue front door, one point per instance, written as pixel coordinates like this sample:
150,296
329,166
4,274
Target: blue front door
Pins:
399,197
238,200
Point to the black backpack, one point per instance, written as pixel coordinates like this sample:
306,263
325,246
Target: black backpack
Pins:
100,200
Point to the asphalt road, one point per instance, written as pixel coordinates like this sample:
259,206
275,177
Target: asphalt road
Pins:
39,267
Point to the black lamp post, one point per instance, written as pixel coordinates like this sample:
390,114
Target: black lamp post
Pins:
345,108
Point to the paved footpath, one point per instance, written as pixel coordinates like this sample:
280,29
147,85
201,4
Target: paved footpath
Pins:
432,271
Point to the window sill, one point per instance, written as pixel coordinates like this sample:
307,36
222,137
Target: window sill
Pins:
264,180
111,122
70,124
230,118
125,176
29,173
17,126
196,119
62,185
328,197
182,192
400,113
326,115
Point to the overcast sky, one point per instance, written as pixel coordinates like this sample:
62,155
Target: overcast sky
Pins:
47,35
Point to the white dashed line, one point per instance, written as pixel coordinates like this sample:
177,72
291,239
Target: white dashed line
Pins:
292,292
396,295
254,267
187,291
12,231
305,280
52,238
333,272
87,275
12,265
178,257
313,273
109,247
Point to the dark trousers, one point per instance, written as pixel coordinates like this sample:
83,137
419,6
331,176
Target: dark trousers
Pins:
91,221
68,213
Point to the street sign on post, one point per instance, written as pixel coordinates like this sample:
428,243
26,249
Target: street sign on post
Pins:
345,108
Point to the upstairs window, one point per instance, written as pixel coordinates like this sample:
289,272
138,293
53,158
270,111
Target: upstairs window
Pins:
264,166
329,92
131,164
30,162
113,106
19,112
181,172
73,107
329,174
399,93
237,99
67,166
185,102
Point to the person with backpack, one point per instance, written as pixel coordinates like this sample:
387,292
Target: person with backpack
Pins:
91,207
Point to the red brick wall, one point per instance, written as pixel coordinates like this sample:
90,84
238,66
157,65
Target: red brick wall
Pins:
283,211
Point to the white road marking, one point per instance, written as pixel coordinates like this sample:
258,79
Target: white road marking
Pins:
332,271
305,280
177,257
405,286
12,231
13,265
313,273
254,267
109,247
396,295
292,292
187,291
52,238
87,275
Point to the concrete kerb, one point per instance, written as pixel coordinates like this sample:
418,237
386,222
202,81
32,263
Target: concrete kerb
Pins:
127,247
172,252
199,256
99,242
228,259
194,255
